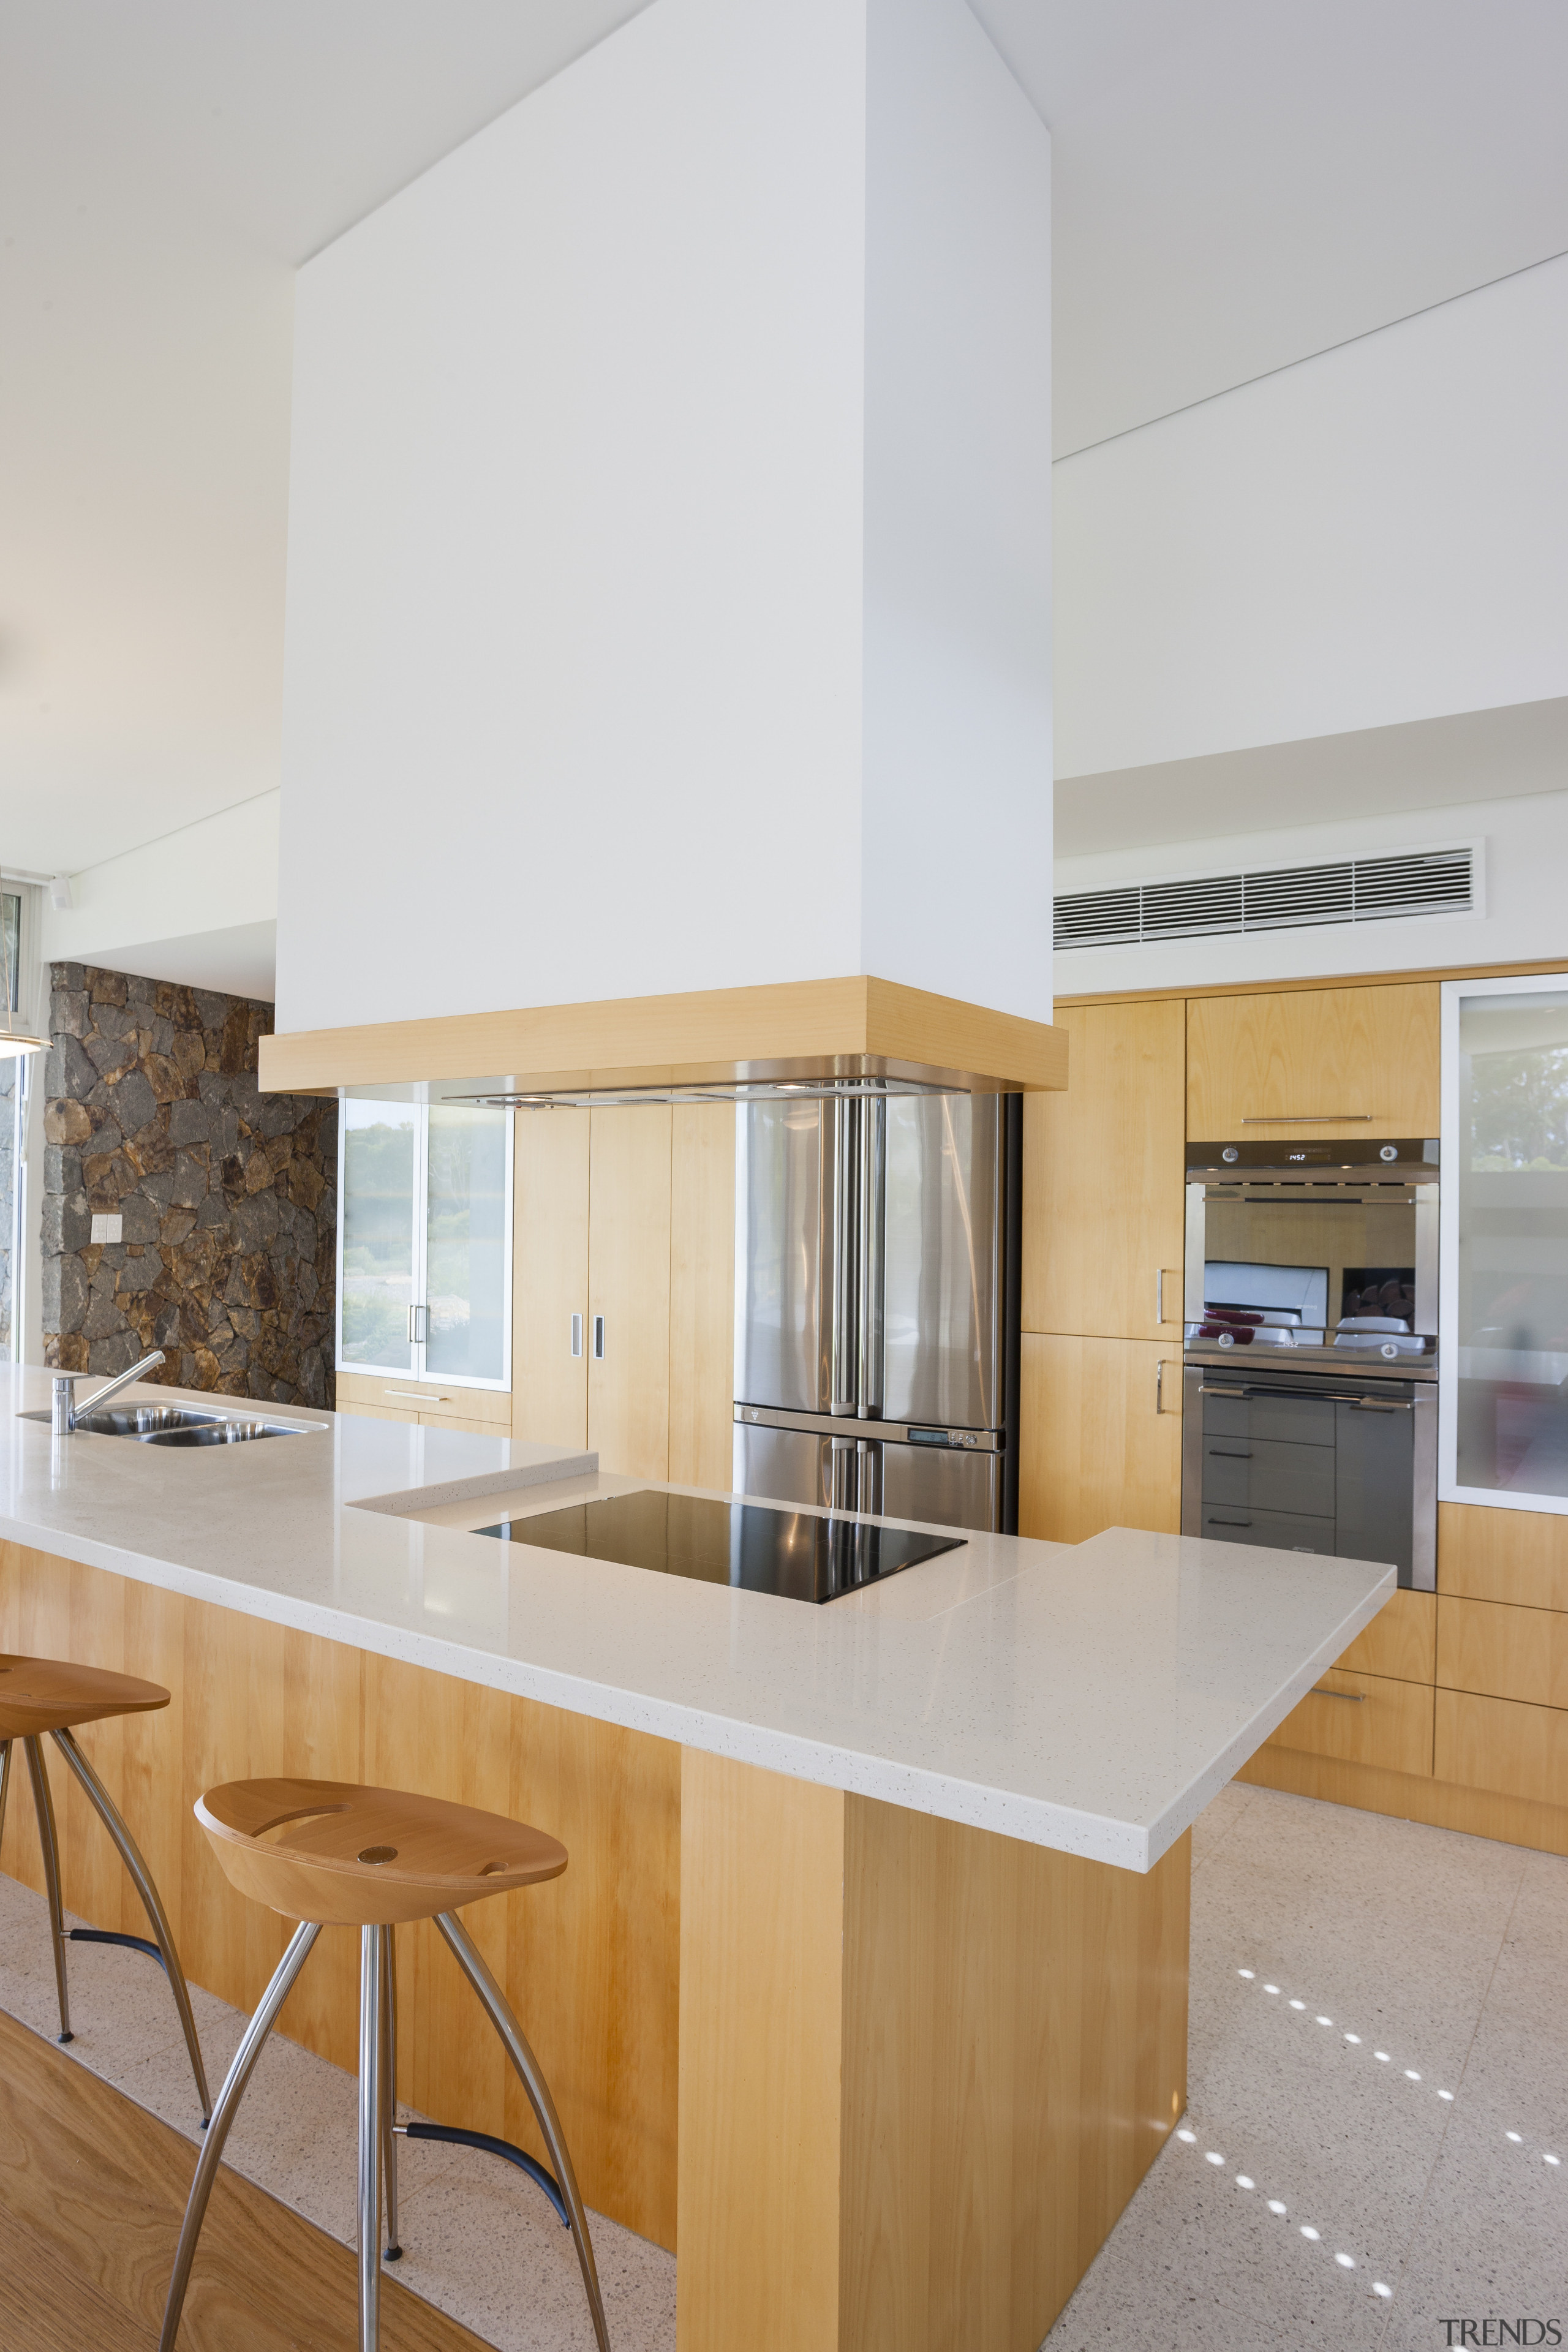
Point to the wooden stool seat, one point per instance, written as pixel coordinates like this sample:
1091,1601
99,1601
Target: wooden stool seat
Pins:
330,1853
38,1695
356,1857
44,1698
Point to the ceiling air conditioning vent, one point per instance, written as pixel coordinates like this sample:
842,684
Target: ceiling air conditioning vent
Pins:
1274,899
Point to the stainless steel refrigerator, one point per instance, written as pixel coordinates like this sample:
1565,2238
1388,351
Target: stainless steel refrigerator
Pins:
877,1304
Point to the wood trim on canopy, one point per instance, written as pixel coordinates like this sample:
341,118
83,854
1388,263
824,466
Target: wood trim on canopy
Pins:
850,1028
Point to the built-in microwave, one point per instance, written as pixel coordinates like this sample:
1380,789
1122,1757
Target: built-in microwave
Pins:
1310,1349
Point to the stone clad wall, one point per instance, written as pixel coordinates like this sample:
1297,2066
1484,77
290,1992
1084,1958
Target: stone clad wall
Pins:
227,1254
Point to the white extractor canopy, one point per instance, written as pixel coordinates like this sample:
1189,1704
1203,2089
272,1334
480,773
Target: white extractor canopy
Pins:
668,591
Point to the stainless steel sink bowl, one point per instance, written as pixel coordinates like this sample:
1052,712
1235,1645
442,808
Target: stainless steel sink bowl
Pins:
182,1424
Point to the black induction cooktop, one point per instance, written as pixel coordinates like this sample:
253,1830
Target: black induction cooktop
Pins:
796,1554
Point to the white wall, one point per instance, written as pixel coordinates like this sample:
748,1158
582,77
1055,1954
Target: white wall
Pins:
197,906
1525,858
573,682
1376,535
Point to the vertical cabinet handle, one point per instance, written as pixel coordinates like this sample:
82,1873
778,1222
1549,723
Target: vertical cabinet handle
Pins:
576,1335
419,1326
1159,1385
1160,1295
598,1338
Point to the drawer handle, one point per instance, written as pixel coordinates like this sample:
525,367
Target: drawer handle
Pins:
1356,1698
1231,1453
1227,1523
1302,1117
419,1396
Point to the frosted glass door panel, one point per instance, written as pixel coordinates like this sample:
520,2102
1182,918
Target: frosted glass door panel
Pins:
1506,1311
468,1214
380,1153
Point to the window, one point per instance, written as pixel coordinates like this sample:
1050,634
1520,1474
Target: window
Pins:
1503,1353
424,1242
16,1076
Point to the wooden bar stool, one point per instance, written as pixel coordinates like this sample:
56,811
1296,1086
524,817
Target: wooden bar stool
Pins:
50,1695
371,1859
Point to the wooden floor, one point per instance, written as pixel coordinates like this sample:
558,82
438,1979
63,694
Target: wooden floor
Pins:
92,2192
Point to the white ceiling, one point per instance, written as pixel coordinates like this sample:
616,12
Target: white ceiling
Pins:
1428,763
1239,182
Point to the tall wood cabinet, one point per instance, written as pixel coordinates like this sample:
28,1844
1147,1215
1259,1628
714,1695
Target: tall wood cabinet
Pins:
1103,1167
1100,1411
625,1220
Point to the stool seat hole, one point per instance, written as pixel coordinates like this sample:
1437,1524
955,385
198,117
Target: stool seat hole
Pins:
376,1853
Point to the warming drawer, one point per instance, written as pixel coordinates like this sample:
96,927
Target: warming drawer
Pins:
1305,1463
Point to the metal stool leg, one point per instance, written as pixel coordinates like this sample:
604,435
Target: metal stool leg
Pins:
223,2116
471,1961
389,2091
44,1804
146,1887
372,2127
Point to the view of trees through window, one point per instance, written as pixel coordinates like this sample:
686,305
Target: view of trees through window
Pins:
426,1206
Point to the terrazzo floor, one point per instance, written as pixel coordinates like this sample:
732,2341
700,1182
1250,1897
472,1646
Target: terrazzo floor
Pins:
1376,2136
1378,2108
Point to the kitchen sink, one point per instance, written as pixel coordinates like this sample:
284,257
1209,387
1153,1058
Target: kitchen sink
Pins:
181,1424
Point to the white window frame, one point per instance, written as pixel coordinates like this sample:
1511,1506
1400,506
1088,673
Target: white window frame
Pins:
1450,1490
414,1369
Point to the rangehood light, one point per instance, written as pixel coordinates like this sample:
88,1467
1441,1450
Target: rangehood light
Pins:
736,1090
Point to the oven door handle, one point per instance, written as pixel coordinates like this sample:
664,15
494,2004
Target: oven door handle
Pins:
1314,1396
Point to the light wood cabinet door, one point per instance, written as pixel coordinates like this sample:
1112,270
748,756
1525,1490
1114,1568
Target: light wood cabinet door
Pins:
550,1277
1364,1719
1496,1743
629,1288
1103,1175
1314,1062
1501,1652
1401,1641
1487,1554
703,1295
1099,1437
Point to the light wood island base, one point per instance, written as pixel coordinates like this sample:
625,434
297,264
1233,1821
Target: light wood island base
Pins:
922,2068
883,2081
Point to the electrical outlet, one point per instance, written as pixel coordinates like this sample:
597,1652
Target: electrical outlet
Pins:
107,1229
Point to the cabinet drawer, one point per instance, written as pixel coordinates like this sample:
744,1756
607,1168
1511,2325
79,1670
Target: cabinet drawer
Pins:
1401,1641
1496,1743
1289,1478
1502,1652
434,1401
1278,1530
1494,1555
1364,1719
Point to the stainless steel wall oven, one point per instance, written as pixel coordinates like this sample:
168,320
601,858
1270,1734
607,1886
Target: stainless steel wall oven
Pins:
1310,1349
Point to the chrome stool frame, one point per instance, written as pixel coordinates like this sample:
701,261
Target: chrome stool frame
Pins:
377,2119
163,1951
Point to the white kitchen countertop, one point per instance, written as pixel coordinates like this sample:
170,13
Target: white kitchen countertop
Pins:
1090,1697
